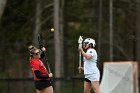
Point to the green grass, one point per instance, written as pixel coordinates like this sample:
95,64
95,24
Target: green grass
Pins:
73,87
139,87
3,86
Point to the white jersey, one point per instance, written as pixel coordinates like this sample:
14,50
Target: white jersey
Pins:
90,65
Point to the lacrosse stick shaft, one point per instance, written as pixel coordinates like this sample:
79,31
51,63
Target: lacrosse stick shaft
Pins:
80,62
80,45
49,70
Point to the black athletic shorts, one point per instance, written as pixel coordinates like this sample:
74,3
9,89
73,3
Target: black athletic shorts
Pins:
41,84
87,80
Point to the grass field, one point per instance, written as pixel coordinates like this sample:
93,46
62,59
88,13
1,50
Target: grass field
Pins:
73,87
139,88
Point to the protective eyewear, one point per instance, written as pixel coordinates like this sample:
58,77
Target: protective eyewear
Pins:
85,43
38,53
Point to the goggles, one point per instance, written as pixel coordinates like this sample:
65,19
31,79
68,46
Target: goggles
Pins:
38,53
35,52
85,43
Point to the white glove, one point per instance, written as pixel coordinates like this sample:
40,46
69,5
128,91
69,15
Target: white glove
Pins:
50,75
43,49
80,46
80,40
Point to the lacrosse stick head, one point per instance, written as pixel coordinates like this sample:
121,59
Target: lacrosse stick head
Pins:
80,40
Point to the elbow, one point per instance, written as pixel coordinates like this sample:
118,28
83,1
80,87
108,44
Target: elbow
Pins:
88,57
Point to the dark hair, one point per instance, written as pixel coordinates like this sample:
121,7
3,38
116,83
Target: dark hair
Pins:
91,45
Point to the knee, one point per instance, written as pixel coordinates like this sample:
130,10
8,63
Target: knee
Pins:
86,91
96,90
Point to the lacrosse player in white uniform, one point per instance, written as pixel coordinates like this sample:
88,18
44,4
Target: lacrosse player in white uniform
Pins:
91,72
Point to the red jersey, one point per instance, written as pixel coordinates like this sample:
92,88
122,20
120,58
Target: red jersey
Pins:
36,64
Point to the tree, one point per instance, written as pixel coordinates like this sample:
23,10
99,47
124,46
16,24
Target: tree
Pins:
137,32
2,6
37,21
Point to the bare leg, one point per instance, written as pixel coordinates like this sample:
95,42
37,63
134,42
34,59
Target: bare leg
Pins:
95,86
48,90
87,87
39,91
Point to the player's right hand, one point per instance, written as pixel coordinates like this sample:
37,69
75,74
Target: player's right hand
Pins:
50,75
80,68
43,49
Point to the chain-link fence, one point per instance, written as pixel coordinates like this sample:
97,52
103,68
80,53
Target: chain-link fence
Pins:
26,85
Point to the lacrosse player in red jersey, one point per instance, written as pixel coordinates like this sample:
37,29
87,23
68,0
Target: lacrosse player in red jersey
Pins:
40,73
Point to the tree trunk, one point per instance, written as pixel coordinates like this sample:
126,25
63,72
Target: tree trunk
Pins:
62,37
99,29
57,46
138,33
2,6
37,22
111,28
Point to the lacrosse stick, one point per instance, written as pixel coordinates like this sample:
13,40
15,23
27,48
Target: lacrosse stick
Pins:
42,45
80,40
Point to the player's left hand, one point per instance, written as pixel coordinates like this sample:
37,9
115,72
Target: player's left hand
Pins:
43,49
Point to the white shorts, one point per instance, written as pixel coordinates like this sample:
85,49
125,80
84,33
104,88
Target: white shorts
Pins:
93,77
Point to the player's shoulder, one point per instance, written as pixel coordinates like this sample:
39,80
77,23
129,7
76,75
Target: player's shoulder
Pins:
91,49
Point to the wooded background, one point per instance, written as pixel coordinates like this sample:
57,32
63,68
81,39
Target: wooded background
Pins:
114,24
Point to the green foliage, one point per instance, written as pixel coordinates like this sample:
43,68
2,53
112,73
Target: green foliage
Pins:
70,86
16,32
2,86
